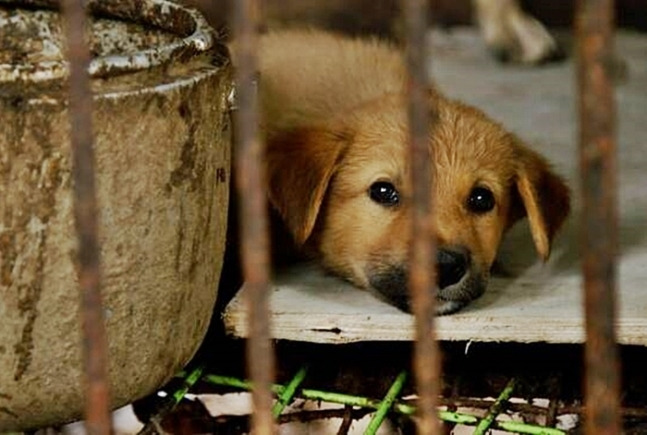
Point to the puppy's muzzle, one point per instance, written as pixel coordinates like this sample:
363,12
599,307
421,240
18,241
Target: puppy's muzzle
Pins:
452,266
458,282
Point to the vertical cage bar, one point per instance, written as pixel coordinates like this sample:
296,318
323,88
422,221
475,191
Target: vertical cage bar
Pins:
597,148
423,251
250,177
97,411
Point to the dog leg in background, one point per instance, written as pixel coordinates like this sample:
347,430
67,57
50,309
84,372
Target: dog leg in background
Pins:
513,35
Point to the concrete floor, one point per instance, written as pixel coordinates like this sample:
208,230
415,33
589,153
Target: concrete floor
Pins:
538,302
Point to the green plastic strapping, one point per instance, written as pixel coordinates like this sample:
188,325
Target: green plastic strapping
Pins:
228,381
495,409
285,397
456,418
518,427
326,396
386,404
189,381
399,407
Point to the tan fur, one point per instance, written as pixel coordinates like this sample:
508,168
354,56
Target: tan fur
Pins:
334,116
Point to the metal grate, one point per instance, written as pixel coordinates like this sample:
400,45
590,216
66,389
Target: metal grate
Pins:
599,234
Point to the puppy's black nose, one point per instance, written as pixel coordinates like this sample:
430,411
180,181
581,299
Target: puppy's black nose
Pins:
452,266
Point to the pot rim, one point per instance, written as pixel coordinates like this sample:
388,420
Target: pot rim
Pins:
196,37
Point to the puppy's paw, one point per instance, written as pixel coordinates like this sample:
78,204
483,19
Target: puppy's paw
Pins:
514,36
535,44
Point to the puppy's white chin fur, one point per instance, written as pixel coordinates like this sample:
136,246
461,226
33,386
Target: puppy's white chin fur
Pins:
456,296
448,307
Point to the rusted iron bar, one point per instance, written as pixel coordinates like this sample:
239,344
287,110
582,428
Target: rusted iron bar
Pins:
597,148
250,177
97,410
423,252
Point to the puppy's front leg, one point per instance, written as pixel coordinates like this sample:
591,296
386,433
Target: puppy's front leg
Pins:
514,35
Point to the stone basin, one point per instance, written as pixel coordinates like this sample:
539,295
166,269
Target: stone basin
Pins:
161,82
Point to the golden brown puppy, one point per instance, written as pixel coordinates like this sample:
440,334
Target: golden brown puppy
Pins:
334,116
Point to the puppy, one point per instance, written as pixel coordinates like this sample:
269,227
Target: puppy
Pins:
334,117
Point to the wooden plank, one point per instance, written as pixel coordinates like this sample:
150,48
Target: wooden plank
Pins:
537,306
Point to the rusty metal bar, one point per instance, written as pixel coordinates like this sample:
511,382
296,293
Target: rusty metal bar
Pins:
97,410
423,251
250,177
598,162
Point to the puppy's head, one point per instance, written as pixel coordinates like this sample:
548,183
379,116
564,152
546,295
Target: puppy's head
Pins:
343,191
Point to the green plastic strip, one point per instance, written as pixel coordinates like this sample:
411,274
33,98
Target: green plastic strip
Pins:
495,409
386,404
286,396
228,381
402,408
518,427
189,381
455,417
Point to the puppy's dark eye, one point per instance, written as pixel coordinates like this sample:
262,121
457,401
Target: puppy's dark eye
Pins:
481,200
384,193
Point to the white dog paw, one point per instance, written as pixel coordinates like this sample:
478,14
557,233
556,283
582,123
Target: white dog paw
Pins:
535,44
513,35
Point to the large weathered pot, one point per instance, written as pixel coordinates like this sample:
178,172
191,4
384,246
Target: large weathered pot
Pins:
161,84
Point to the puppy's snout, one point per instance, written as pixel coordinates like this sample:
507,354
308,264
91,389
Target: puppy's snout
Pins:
452,266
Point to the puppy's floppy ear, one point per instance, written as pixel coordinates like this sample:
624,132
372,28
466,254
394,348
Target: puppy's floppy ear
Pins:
540,195
300,165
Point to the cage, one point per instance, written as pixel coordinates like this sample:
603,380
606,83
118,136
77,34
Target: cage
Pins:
540,308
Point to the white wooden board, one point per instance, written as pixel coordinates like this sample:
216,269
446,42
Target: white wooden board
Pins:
536,302
309,306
